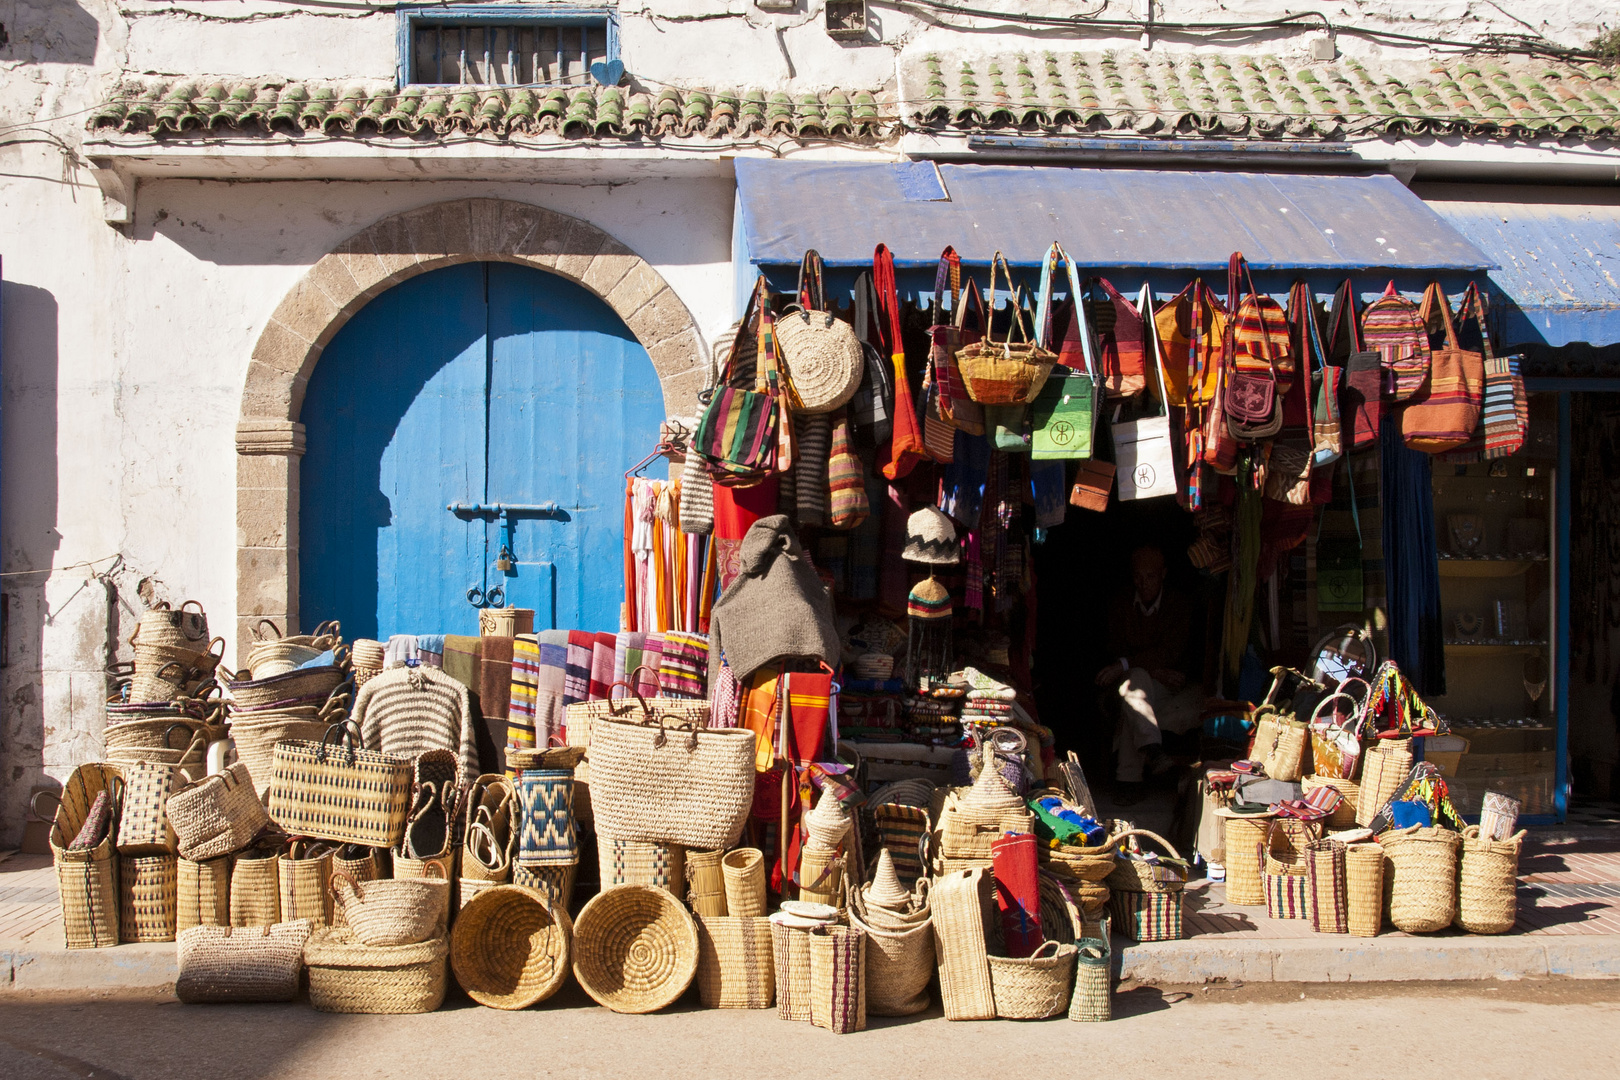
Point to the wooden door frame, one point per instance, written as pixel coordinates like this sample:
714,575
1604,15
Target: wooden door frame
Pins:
269,436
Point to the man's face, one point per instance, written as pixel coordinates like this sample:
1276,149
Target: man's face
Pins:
1147,571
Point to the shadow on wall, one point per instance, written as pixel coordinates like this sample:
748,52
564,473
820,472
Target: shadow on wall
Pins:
58,33
28,537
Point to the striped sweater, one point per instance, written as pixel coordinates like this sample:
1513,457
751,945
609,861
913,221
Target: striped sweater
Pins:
407,711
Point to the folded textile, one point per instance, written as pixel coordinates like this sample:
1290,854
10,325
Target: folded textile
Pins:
684,666
577,675
625,644
430,649
652,656
400,648
461,660
525,680
603,647
495,700
548,687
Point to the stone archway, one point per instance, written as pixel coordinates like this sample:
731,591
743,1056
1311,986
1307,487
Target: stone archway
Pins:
269,437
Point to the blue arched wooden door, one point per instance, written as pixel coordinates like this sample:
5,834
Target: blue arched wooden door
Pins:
474,385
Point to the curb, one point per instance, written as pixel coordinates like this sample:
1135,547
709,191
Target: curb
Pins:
1388,959
121,967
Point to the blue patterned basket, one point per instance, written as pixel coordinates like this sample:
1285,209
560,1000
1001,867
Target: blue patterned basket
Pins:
548,836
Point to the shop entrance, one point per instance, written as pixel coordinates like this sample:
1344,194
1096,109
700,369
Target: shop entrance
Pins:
465,432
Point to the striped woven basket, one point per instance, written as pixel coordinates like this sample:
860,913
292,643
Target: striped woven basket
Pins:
147,898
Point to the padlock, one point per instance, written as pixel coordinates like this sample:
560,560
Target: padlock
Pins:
504,562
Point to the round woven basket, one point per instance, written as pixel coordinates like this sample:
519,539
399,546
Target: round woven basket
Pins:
1420,878
823,358
636,948
899,964
1487,883
1079,863
391,911
1035,987
301,683
347,977
510,947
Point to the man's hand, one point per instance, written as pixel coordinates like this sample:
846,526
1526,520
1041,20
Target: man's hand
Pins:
1168,678
1110,675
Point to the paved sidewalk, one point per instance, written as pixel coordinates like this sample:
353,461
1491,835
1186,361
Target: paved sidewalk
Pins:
1569,925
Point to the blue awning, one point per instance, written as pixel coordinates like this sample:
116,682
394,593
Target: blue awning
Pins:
1131,218
1558,250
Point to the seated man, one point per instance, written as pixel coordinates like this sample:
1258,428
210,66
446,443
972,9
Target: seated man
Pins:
1147,631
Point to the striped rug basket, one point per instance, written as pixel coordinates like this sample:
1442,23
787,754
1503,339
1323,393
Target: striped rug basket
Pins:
547,835
147,898
1329,902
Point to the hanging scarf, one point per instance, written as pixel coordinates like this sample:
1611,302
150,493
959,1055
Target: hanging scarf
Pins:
1411,562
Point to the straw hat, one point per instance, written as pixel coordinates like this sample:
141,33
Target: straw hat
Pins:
929,600
823,357
930,538
885,891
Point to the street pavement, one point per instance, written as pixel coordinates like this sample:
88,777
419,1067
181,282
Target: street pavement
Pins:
1512,1031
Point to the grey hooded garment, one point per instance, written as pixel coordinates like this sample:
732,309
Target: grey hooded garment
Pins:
776,607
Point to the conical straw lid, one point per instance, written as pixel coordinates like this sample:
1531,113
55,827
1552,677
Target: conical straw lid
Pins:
885,890
991,791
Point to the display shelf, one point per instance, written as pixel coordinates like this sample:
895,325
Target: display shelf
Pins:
1485,567
1494,648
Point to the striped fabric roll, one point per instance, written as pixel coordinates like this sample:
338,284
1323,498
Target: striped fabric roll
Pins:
683,670
814,435
577,673
520,726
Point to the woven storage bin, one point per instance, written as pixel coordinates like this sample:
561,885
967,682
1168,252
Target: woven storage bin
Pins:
1364,889
304,876
133,741
1384,768
217,815
635,948
290,686
838,979
1147,916
967,834
143,823
1034,987
821,877
555,883
391,911
1287,841
1288,895
256,739
223,964
256,891
1488,882
511,947
650,782
583,715
147,898
347,977
1420,879
87,879
899,964
1093,998
736,966
203,894
640,862
706,883
1078,863
790,958
744,872
1344,815
1245,858
1328,901
340,793
961,906
437,868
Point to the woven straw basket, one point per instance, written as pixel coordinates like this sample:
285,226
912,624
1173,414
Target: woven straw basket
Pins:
1488,882
1329,902
1344,815
204,894
147,898
961,905
639,862
217,815
1245,858
1034,987
1420,878
838,979
511,947
256,890
347,977
1364,889
304,877
635,948
220,964
736,968
555,883
823,358
391,911
790,956
744,871
1384,768
706,883
87,880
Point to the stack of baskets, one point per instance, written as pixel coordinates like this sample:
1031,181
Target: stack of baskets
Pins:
390,955
287,694
971,820
821,868
899,941
174,656
1287,880
547,835
1145,891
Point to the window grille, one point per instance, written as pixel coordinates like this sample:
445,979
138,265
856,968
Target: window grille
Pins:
487,46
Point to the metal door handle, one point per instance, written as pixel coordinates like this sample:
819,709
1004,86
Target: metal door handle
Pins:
545,509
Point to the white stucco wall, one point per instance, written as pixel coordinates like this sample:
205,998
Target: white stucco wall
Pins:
124,351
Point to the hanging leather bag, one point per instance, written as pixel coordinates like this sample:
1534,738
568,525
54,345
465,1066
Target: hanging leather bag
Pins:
1443,415
737,437
1361,399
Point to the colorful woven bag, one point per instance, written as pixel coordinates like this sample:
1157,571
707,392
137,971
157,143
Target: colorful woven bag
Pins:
1505,412
1004,372
1123,361
738,437
847,504
1444,414
1261,362
905,447
1392,326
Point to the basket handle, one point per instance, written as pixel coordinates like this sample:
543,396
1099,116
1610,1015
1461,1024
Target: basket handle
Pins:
1162,842
1320,705
33,804
434,868
346,731
343,877
258,631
